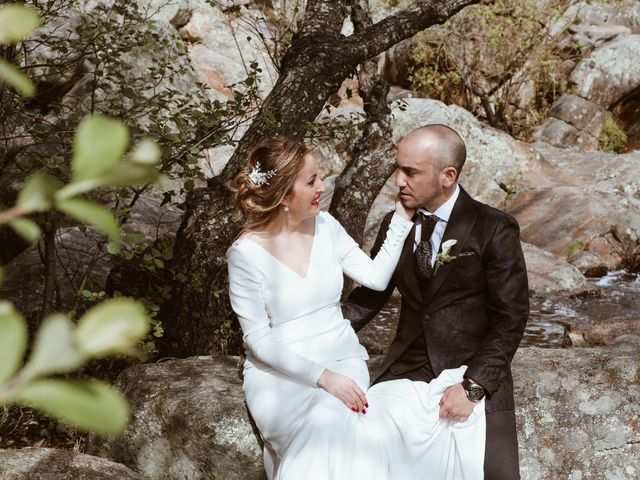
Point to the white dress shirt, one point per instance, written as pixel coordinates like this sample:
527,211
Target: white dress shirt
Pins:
443,213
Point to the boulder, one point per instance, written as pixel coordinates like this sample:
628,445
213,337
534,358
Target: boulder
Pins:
548,274
222,45
577,197
57,464
595,35
189,420
624,13
610,72
577,414
577,411
603,248
590,264
573,121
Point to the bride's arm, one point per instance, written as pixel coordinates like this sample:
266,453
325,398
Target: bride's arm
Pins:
374,274
245,293
247,301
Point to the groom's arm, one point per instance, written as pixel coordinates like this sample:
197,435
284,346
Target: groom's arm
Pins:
363,304
507,305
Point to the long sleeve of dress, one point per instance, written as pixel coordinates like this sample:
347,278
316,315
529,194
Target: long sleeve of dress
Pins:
357,265
247,301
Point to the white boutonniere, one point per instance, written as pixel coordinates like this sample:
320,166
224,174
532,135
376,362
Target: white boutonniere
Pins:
444,257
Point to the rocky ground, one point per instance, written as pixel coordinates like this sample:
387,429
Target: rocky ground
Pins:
578,408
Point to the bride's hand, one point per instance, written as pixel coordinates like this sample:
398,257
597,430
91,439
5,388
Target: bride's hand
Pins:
403,211
344,389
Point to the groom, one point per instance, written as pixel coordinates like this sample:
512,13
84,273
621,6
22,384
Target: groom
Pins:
465,307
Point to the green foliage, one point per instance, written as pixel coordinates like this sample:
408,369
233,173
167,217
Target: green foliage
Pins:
115,326
575,246
121,62
89,405
96,162
484,57
613,139
13,340
151,259
16,23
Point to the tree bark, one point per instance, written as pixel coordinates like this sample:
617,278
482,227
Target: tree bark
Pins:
199,320
373,155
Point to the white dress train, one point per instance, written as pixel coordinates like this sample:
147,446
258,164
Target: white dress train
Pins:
293,329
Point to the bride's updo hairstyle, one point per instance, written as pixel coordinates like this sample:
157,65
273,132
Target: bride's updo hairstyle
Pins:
271,171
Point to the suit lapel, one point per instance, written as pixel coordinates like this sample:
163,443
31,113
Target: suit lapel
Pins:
463,217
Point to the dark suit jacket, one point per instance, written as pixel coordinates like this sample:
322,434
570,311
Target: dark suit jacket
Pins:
472,312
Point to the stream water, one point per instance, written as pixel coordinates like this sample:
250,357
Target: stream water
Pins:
549,316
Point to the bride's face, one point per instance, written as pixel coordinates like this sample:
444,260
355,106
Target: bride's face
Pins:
304,200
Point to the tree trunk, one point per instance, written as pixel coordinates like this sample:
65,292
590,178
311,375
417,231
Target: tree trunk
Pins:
373,156
198,319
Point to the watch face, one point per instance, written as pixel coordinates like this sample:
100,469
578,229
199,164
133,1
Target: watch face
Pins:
476,393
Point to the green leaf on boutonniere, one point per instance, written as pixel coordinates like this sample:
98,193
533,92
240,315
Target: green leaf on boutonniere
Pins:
444,257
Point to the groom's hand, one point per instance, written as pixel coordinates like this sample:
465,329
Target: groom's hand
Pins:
455,405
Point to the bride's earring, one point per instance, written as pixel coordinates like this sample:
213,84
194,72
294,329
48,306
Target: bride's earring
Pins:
286,209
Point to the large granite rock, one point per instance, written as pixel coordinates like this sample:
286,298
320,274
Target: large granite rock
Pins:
610,72
222,44
576,197
590,264
189,422
578,411
625,13
548,274
573,121
56,464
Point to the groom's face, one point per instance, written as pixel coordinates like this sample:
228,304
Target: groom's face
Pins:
419,176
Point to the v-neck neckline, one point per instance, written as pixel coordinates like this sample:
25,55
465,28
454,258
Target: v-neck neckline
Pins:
284,265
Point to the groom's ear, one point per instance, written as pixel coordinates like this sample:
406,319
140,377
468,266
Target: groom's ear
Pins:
449,176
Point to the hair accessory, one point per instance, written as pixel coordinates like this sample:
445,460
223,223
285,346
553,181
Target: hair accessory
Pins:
260,178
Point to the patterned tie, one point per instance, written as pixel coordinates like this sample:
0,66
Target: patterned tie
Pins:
424,250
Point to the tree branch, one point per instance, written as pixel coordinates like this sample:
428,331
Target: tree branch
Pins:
393,29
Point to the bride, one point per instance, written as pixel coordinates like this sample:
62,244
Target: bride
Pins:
305,376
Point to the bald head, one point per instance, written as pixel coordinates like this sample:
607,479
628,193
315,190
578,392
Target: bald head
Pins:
439,142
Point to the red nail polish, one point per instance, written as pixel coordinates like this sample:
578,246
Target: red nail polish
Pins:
354,409
366,405
364,411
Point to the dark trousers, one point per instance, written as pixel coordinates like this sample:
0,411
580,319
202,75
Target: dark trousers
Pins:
501,450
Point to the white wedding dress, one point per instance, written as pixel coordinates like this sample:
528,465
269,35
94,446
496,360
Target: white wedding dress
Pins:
293,329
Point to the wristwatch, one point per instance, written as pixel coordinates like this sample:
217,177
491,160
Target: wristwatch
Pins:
474,392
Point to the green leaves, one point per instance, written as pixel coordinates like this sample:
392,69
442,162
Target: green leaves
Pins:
146,152
13,340
54,350
37,195
94,214
16,22
27,229
89,405
114,326
99,144
12,76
